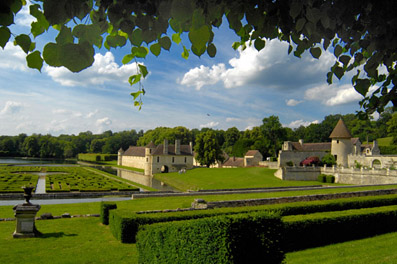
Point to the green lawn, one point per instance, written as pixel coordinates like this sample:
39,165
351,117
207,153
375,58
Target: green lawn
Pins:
223,178
379,249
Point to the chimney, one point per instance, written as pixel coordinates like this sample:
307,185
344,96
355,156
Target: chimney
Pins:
374,144
301,142
191,147
177,147
165,147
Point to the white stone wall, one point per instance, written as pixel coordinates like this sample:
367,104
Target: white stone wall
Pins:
341,148
133,161
367,161
167,160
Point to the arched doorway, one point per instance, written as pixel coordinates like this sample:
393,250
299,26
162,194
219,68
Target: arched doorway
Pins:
164,169
376,164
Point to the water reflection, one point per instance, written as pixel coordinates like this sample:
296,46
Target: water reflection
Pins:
25,161
144,180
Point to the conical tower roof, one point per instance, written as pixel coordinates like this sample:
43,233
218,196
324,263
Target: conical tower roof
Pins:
340,131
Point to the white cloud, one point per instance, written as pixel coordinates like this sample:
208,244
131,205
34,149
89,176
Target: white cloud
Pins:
67,112
104,69
292,102
23,17
271,67
11,107
104,121
300,122
91,114
12,57
232,119
210,125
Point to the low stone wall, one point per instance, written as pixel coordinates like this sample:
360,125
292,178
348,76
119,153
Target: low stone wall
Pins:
69,195
298,173
269,164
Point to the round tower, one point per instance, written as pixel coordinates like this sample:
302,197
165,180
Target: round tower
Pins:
120,156
341,145
149,149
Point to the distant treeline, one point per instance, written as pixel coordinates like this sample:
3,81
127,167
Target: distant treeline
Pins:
267,138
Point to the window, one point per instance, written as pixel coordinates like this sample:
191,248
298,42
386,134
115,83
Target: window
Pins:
337,141
185,159
147,159
173,159
158,159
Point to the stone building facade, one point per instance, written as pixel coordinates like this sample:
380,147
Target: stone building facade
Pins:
156,159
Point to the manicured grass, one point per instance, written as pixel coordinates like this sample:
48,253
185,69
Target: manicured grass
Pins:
76,240
223,178
378,249
386,141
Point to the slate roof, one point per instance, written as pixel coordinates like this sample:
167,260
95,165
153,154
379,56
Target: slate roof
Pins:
150,145
340,131
185,150
234,162
135,151
323,146
251,153
355,140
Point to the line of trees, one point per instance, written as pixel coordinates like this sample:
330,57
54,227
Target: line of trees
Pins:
267,138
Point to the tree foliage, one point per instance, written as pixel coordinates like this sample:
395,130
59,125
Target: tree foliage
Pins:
207,149
363,34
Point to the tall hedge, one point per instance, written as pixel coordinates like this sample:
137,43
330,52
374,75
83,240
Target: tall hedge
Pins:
124,224
319,229
242,238
105,207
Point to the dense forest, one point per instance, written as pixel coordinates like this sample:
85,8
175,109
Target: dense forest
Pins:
267,138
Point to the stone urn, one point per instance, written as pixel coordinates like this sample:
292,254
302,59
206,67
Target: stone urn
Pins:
27,194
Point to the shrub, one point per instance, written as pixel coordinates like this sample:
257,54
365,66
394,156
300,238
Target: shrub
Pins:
328,159
243,238
289,163
105,207
321,178
330,178
319,229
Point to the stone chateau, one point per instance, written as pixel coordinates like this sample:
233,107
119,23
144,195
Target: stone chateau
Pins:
155,159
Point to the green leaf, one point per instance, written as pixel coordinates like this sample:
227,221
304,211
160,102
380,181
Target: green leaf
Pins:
24,42
115,41
136,37
198,51
34,60
259,44
143,70
65,36
316,52
51,54
89,33
136,94
16,5
362,86
300,24
329,77
338,71
236,45
136,103
76,57
134,79
6,18
199,37
344,59
338,51
211,50
165,43
55,11
139,52
155,49
176,38
127,58
290,48
295,9
5,35
185,53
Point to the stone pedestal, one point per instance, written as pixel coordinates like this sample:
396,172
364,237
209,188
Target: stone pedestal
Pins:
25,215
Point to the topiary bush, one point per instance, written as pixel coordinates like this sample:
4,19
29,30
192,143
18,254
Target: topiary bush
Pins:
105,207
330,178
242,238
321,178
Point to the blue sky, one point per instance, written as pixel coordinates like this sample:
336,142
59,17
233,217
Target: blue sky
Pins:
236,88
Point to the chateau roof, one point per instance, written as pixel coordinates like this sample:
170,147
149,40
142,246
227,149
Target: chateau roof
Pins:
234,162
151,145
185,150
135,151
340,131
355,140
323,146
251,153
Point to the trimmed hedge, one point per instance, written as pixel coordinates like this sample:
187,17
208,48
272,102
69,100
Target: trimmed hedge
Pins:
124,224
105,207
319,229
243,238
321,178
330,178
94,157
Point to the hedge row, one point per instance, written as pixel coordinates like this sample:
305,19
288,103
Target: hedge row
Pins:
242,238
105,207
124,224
319,229
326,178
93,157
388,150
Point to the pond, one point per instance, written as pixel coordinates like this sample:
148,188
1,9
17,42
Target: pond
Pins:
25,161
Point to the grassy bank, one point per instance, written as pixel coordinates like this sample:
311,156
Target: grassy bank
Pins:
233,178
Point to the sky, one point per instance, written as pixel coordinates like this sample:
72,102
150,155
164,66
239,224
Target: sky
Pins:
236,88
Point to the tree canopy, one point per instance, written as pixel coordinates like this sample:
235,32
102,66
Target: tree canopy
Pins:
363,34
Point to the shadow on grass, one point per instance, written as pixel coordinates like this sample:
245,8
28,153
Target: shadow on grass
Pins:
56,235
